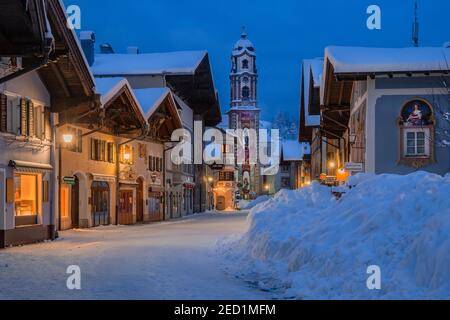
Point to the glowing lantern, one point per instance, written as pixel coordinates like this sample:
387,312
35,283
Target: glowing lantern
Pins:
342,175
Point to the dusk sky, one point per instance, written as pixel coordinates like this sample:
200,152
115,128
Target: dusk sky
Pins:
284,32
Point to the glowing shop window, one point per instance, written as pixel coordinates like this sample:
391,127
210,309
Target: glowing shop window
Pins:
25,195
64,202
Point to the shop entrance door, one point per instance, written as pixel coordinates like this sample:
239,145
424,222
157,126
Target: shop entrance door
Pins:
126,207
75,204
100,203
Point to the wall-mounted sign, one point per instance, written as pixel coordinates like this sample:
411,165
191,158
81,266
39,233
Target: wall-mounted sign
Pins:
354,167
69,180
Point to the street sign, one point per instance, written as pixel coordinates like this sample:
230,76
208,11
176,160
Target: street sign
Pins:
69,180
354,167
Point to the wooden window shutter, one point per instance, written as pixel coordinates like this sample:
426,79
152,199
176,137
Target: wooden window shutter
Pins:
30,119
111,153
3,113
47,124
23,117
92,149
80,141
10,190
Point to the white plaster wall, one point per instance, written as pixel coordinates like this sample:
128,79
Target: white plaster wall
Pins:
30,86
17,148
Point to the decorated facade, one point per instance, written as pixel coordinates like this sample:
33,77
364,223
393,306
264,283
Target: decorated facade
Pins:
244,112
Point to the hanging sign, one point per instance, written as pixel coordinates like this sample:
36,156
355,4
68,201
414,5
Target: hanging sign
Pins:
69,180
354,167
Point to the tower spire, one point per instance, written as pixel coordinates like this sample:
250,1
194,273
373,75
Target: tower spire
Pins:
244,32
415,31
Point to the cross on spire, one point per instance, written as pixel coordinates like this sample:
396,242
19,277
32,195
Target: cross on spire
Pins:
415,34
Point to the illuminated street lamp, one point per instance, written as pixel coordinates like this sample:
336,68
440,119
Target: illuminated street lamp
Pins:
331,164
67,138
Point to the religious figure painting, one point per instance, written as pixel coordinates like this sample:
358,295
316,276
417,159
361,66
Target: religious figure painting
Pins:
416,114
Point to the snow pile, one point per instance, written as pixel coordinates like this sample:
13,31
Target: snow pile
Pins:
246,205
305,244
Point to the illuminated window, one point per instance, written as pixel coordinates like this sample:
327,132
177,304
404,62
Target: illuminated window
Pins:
25,195
65,202
126,155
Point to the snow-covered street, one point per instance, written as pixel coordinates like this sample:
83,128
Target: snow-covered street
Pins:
172,260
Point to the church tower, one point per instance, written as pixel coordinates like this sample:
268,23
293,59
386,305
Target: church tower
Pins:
244,112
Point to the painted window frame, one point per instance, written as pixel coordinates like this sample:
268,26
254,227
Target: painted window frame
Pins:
417,161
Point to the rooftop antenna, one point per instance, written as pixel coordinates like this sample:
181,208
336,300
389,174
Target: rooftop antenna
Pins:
415,35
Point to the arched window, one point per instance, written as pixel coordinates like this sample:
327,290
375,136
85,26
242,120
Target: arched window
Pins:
245,93
245,64
416,125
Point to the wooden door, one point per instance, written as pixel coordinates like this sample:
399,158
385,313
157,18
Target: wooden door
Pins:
154,206
140,202
75,206
100,203
126,207
221,203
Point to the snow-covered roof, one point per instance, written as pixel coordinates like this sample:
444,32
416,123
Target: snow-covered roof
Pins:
180,62
108,87
314,66
150,99
374,60
294,150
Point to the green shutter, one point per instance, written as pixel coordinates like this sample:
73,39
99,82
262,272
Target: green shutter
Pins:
3,113
30,119
47,124
23,117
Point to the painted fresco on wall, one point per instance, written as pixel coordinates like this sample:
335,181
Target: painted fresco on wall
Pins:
416,114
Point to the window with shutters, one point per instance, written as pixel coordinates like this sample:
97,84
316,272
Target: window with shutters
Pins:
3,113
102,150
155,164
13,115
20,116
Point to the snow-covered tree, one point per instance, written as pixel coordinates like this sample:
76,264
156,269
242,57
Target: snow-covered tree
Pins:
443,111
286,124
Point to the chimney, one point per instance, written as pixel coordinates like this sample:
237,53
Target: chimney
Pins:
133,50
106,48
87,39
